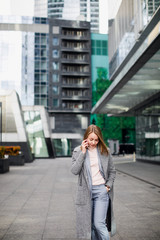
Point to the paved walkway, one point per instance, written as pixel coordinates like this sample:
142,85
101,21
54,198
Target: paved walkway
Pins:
37,201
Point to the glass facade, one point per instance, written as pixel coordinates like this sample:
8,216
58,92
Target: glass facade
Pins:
41,69
126,30
84,10
24,59
35,133
62,147
99,47
10,70
99,56
148,132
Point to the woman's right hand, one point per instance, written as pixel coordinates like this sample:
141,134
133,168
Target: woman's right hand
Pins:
84,146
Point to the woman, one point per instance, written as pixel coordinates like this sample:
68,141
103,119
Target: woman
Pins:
93,163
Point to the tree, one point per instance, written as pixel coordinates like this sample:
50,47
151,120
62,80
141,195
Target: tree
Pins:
121,128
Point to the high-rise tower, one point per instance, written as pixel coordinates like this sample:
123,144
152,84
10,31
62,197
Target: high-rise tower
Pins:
86,10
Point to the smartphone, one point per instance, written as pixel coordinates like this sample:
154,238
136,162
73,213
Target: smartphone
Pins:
87,144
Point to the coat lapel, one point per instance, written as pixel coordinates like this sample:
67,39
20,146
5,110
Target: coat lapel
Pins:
103,164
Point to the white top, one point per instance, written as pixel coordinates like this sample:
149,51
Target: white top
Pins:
97,178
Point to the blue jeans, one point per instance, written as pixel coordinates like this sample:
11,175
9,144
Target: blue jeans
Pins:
100,201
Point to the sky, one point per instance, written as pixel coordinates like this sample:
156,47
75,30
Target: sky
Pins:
17,7
26,8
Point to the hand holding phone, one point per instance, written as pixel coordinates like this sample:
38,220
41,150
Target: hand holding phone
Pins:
84,145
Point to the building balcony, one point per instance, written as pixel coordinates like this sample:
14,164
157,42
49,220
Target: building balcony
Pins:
78,86
71,110
76,106
76,98
74,73
74,61
74,37
74,49
71,81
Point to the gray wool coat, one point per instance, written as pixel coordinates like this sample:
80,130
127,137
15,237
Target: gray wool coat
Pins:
83,195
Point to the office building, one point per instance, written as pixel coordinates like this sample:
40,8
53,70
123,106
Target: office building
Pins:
24,61
52,69
70,82
85,10
134,56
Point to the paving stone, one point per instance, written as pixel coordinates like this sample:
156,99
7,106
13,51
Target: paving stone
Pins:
37,201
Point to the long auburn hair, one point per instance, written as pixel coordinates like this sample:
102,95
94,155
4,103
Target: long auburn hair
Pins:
101,144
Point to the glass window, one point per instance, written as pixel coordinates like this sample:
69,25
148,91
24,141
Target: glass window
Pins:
55,65
37,40
44,77
43,89
43,40
36,77
98,43
43,53
62,147
55,90
93,43
37,52
98,51
35,133
36,101
55,78
104,44
55,41
43,65
93,51
36,89
104,51
43,101
37,65
55,53
55,102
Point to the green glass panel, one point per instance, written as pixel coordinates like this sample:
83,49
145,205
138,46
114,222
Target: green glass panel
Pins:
62,147
104,51
98,51
104,44
93,43
93,51
98,43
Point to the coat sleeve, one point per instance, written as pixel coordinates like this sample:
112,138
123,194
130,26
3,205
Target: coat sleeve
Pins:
111,172
78,158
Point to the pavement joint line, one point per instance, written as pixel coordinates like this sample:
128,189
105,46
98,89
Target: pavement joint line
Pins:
143,180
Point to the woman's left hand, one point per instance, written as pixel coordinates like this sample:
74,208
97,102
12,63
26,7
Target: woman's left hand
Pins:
108,188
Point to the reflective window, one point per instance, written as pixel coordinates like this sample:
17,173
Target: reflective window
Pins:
55,41
55,53
148,132
55,90
35,133
99,47
55,102
62,147
55,65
